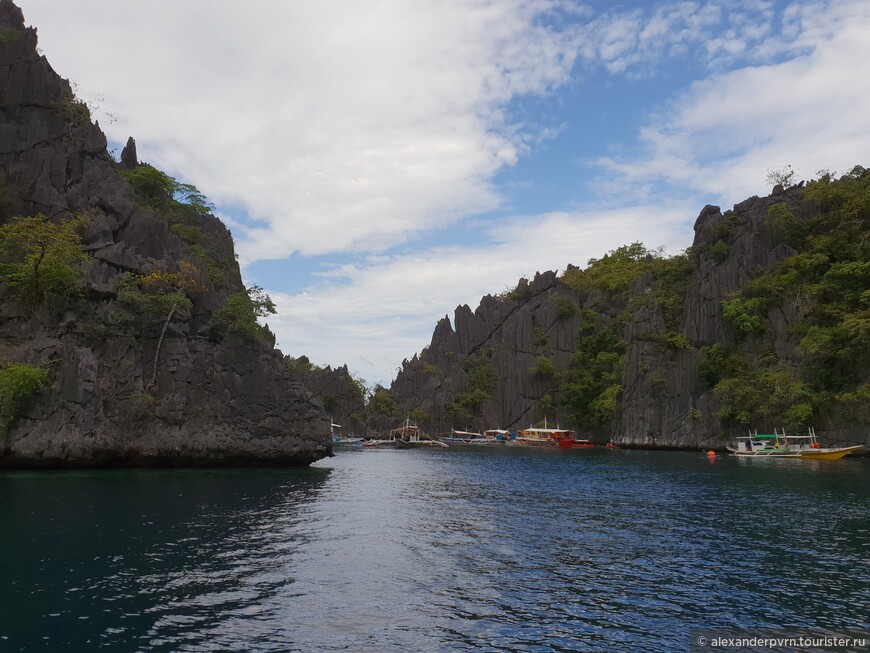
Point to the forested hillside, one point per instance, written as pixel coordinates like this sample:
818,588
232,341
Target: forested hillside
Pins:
763,322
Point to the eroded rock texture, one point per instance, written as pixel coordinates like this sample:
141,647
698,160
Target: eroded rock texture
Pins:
206,397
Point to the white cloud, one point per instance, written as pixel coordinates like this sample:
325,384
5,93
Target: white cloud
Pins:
636,41
338,125
347,126
809,111
372,316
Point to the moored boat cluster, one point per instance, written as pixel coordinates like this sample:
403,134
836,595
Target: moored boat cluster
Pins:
409,435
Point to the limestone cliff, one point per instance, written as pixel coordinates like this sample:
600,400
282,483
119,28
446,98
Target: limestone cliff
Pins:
124,387
342,396
637,349
507,335
664,402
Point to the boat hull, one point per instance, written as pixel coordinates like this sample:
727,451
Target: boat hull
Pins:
419,444
533,442
461,442
829,454
554,444
809,454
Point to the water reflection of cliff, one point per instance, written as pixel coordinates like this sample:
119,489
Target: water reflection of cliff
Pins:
156,558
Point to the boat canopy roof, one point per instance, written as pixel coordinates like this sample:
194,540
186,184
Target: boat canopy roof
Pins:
502,431
772,436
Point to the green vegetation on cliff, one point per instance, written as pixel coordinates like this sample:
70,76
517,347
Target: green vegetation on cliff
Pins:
825,285
481,381
18,383
588,390
240,312
613,272
381,403
159,192
153,296
616,271
778,333
181,205
39,259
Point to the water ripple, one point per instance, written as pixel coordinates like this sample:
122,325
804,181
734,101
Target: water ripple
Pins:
434,551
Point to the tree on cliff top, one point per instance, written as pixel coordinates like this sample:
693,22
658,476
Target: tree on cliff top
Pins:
241,311
613,272
158,191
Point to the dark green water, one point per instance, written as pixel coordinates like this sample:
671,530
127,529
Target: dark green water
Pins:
506,550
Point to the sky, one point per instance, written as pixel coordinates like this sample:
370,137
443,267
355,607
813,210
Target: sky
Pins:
380,162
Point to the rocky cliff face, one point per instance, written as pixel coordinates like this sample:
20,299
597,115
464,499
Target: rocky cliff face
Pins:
125,388
682,410
342,396
535,341
507,335
664,403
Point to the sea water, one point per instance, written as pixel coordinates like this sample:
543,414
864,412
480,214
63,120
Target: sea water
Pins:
499,549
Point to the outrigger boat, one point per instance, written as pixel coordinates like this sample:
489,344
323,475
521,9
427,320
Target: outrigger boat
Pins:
339,440
545,437
780,445
461,437
411,436
493,436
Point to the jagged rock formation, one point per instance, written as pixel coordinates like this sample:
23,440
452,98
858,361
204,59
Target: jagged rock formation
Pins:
662,327
509,335
124,390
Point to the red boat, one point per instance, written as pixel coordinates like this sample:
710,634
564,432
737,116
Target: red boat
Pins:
562,438
566,440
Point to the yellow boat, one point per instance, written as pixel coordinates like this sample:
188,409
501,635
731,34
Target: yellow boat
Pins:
830,453
780,445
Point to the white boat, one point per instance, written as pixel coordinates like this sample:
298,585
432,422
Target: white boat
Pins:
493,436
780,445
461,437
410,436
339,440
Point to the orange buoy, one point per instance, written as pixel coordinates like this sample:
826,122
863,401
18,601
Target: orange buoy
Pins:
711,454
